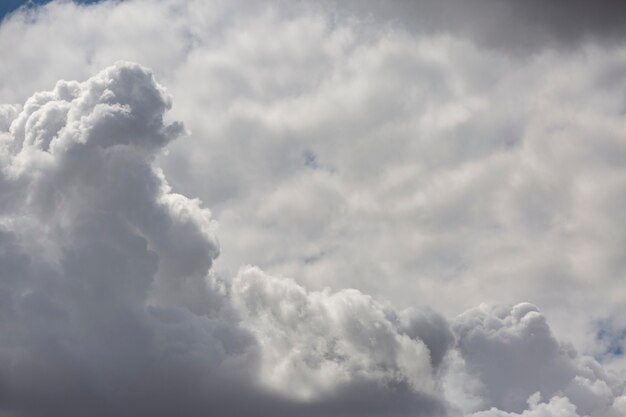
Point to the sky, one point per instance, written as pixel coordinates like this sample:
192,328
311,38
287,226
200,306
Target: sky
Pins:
313,208
9,6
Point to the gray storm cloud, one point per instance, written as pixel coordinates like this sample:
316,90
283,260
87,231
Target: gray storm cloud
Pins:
108,305
91,237
510,26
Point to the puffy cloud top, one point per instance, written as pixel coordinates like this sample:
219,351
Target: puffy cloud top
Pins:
518,361
94,246
121,106
315,342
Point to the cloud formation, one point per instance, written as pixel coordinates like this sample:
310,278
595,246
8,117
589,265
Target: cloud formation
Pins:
342,145
99,255
107,299
109,305
519,362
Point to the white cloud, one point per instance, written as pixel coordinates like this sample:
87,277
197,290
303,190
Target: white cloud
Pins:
312,343
108,282
556,407
99,256
342,151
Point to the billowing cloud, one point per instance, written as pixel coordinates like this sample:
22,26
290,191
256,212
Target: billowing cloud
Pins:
314,342
518,361
108,303
351,147
91,239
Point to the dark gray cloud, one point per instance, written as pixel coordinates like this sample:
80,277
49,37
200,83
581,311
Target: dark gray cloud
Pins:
519,362
90,234
510,26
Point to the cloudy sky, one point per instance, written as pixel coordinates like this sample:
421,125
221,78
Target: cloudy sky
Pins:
315,208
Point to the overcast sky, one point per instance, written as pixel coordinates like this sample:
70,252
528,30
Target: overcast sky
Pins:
313,208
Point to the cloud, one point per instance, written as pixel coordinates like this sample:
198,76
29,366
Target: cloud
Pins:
518,360
109,302
418,166
345,344
509,26
315,342
557,406
99,257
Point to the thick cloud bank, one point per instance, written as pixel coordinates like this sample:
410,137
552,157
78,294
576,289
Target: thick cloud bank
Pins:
476,158
97,256
108,306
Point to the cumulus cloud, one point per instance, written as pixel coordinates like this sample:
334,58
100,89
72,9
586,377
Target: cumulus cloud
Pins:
99,256
318,341
345,146
108,303
518,361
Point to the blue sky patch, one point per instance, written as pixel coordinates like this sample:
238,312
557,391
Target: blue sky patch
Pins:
612,340
8,6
